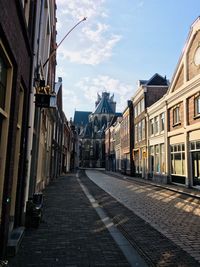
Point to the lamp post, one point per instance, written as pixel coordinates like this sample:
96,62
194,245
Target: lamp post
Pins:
44,96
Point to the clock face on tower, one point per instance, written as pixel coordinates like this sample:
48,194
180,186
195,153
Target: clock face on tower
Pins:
197,56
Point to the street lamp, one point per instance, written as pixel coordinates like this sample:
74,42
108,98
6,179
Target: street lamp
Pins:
44,96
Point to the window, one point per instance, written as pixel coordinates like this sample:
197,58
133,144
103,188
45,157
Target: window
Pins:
197,106
151,127
143,129
178,159
162,158
136,111
3,80
176,115
139,131
6,73
157,158
151,159
136,133
195,145
162,122
142,105
139,108
156,125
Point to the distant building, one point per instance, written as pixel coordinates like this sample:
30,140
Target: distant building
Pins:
126,135
147,94
90,127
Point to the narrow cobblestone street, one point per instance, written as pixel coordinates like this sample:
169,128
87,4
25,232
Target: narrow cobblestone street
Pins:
72,233
173,214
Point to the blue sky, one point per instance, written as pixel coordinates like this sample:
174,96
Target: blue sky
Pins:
119,43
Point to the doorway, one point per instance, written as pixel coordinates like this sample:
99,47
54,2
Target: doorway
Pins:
196,167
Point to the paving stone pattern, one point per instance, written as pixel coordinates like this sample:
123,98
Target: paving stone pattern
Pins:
158,207
71,233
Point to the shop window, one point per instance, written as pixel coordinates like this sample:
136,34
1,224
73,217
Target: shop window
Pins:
157,158
151,160
198,145
162,158
197,106
195,145
192,145
178,159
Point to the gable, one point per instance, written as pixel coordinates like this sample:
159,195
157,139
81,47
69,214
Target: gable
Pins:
193,70
180,78
186,69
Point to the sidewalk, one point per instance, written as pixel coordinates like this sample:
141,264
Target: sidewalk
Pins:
71,233
191,192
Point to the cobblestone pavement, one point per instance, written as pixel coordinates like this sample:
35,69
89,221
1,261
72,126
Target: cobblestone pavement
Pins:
71,235
173,214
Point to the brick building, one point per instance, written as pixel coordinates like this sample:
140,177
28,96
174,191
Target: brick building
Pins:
15,81
183,111
148,92
126,136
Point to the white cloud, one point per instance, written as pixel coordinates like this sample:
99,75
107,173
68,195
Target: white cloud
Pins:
85,8
96,53
93,43
91,86
71,101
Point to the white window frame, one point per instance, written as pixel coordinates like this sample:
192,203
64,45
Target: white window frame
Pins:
176,115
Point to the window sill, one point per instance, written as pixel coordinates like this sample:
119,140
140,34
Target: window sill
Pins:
174,174
176,124
196,116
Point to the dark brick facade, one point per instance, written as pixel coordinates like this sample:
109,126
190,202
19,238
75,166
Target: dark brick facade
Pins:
14,37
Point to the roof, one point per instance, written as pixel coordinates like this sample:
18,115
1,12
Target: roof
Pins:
157,79
142,82
81,117
104,106
87,132
114,119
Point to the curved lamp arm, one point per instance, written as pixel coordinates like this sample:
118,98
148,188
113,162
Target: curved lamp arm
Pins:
54,51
